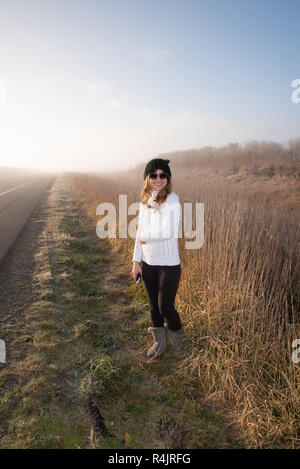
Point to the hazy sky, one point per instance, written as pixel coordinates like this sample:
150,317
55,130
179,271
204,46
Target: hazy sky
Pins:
100,84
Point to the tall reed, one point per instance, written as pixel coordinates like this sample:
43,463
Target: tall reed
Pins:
239,293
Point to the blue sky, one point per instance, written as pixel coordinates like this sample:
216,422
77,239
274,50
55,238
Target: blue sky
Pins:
102,84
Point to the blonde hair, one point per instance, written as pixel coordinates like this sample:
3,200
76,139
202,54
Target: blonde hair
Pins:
147,191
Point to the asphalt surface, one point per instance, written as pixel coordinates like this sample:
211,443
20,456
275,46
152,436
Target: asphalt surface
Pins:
19,196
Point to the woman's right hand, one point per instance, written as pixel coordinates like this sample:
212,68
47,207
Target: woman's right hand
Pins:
136,269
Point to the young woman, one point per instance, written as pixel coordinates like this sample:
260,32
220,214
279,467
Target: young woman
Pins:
156,255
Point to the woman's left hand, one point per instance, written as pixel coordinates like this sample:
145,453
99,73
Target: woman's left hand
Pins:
141,241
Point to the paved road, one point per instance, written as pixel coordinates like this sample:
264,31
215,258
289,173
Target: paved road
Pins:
18,198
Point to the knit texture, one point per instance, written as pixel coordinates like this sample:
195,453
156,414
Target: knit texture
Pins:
157,163
159,229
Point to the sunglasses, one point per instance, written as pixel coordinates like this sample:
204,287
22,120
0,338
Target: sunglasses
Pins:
161,176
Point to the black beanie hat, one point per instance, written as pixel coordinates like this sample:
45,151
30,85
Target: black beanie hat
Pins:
157,163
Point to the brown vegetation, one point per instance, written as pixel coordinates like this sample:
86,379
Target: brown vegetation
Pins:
239,294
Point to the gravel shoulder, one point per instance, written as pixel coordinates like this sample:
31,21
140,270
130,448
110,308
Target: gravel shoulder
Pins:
17,282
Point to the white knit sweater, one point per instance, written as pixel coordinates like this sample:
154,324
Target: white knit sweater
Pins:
159,229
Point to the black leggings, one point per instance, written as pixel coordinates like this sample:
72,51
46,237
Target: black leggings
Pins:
161,282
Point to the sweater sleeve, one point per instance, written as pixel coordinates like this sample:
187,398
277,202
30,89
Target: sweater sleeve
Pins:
138,250
169,225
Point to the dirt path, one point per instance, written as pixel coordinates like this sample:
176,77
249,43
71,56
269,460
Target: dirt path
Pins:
17,267
76,375
17,291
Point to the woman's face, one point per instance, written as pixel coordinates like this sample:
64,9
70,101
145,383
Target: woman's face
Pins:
158,183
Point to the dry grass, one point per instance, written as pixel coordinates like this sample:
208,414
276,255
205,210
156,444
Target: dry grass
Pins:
239,294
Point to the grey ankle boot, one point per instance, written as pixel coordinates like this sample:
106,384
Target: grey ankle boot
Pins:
160,342
176,338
